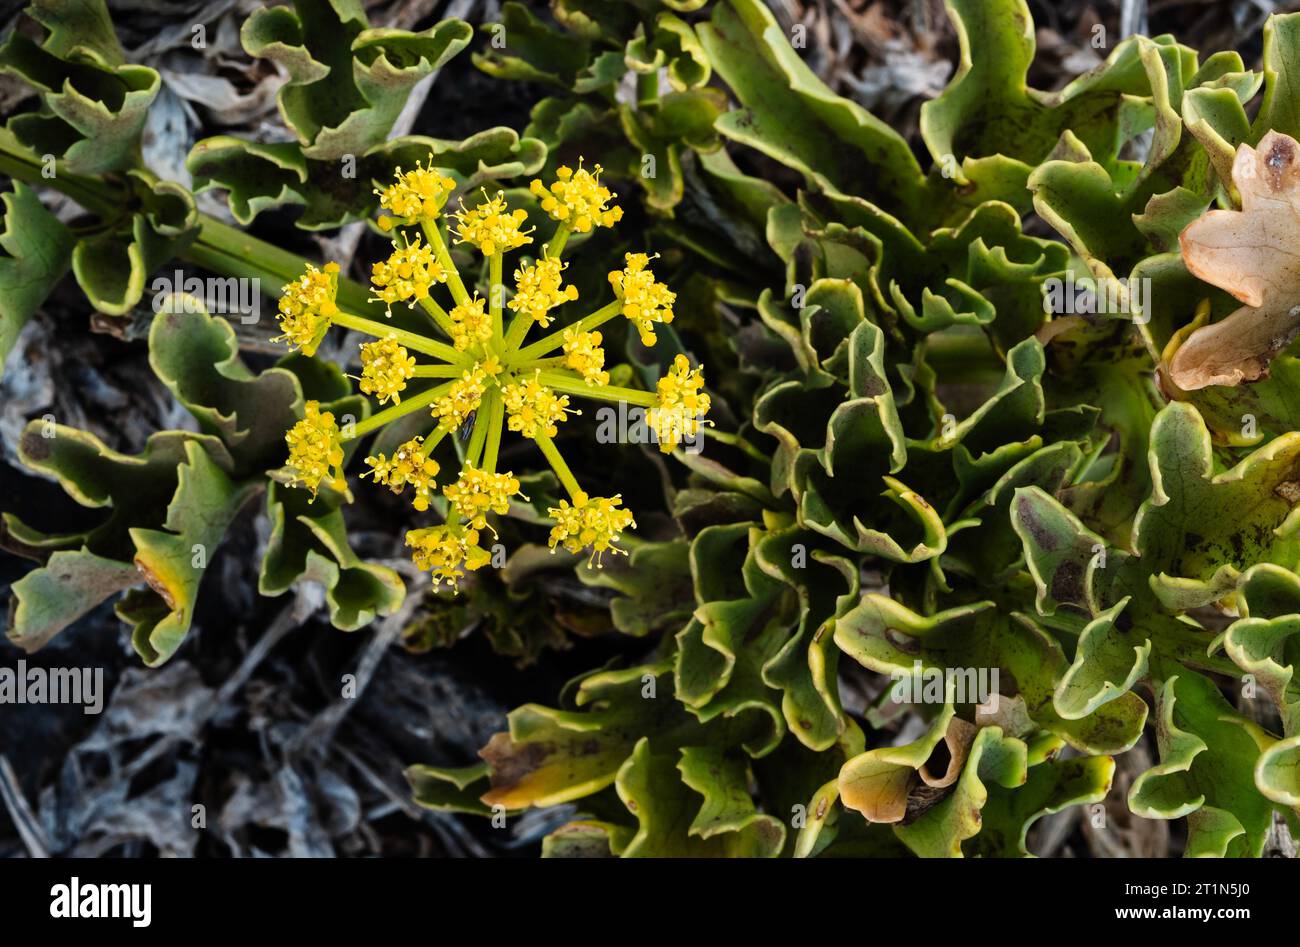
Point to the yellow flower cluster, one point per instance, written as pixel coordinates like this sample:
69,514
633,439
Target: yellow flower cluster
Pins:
645,301
407,275
307,307
534,407
444,550
418,193
385,368
682,402
578,199
583,354
590,521
492,226
485,377
479,492
410,464
462,400
471,325
316,450
537,290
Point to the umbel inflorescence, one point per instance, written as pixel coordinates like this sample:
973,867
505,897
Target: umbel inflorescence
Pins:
490,377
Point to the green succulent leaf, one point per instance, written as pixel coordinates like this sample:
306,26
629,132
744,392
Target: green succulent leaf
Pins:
92,103
35,251
347,81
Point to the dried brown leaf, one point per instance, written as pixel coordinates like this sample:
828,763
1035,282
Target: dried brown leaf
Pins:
1252,254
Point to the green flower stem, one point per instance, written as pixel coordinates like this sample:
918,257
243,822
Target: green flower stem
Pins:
491,404
558,465
408,405
417,343
556,247
573,385
436,313
519,326
553,341
496,422
454,282
553,361
22,164
439,371
496,290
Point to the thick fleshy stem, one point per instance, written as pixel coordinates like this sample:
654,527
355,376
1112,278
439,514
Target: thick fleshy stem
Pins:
412,340
553,341
496,296
490,405
437,314
438,371
454,282
573,385
496,422
556,246
558,465
408,405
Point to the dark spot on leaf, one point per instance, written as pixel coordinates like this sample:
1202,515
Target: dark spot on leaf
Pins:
1279,158
1067,582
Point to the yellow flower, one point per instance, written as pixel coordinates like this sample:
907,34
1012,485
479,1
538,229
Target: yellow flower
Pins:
470,324
478,493
461,400
411,464
591,521
385,367
316,450
492,226
416,194
406,275
578,198
583,354
537,290
682,402
307,306
444,549
534,407
645,301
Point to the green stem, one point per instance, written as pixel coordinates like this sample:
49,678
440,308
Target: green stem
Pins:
416,343
482,422
553,361
496,294
556,247
437,314
558,465
497,421
573,385
439,371
454,282
518,330
553,341
408,405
